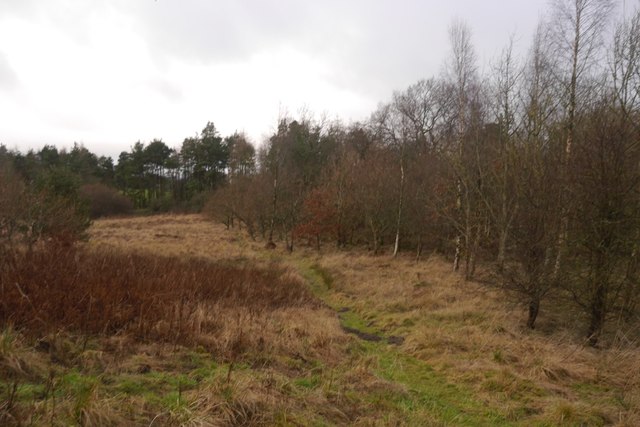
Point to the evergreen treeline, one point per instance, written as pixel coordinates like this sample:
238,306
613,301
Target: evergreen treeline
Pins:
150,176
158,177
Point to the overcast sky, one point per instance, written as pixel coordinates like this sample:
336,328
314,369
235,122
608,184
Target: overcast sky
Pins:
107,73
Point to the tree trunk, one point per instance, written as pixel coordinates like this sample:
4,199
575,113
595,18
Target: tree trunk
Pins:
374,233
396,245
458,253
502,249
564,209
473,254
534,308
273,210
562,241
598,313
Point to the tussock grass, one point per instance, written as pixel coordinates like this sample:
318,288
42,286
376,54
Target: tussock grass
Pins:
150,297
472,336
103,333
276,355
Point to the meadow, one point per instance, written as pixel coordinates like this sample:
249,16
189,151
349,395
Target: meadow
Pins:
175,320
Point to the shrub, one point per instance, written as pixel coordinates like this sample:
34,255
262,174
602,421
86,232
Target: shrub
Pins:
105,201
161,204
28,216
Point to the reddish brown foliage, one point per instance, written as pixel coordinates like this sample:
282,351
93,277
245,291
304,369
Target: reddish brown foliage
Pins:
148,296
320,216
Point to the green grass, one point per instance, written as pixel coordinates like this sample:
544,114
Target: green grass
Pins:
308,382
24,392
429,391
431,398
318,278
132,386
351,319
324,275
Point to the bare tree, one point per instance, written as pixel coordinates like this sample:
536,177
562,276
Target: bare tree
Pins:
605,229
420,113
462,74
576,38
577,28
625,65
603,256
536,165
501,201
390,128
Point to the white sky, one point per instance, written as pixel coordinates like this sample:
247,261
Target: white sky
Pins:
107,73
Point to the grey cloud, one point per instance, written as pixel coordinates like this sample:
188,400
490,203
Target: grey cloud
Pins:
17,6
73,17
366,47
206,31
169,90
368,44
9,80
371,46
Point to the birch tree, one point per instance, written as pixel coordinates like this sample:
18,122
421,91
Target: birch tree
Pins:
502,204
576,37
462,75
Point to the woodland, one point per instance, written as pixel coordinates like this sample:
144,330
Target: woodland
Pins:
532,168
517,188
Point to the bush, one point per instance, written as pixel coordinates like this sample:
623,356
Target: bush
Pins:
162,204
105,201
28,216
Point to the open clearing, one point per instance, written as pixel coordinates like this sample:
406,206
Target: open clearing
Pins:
377,341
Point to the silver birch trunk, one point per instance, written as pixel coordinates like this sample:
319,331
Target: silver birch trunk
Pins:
396,245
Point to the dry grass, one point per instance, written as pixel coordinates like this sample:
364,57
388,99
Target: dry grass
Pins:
150,297
270,357
467,331
471,334
96,321
182,236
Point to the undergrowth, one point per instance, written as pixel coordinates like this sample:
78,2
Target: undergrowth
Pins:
152,298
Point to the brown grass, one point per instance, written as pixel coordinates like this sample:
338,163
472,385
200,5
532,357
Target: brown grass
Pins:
115,311
182,236
152,298
468,333
475,336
